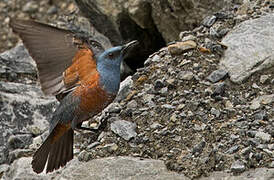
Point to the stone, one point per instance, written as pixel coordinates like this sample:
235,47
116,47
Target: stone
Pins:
187,38
119,168
258,173
237,167
125,89
217,75
215,112
219,89
233,149
198,148
155,125
168,106
19,141
174,118
18,153
158,84
114,108
21,169
16,62
209,21
265,99
185,75
249,49
30,7
111,147
264,79
181,47
84,156
132,104
124,129
265,137
261,115
23,105
52,10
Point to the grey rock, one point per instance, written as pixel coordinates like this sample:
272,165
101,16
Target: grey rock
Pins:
114,108
251,133
19,141
198,148
262,115
246,151
185,75
250,49
265,137
84,156
217,75
158,84
258,173
209,21
92,145
155,125
237,167
119,168
23,105
188,37
219,89
233,149
17,62
265,99
21,169
156,58
30,7
148,98
215,112
164,91
125,129
52,10
18,153
264,78
132,104
125,88
3,168
168,106
111,147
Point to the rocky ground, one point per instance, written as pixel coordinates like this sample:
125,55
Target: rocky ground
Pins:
192,106
42,10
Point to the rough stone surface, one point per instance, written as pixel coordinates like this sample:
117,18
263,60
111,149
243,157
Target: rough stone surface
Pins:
250,48
217,75
258,174
124,129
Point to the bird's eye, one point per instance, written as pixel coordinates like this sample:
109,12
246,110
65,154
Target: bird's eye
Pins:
111,55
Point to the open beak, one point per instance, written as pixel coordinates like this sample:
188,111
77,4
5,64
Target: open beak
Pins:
128,47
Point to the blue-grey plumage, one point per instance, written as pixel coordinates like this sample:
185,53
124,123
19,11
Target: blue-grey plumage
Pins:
108,65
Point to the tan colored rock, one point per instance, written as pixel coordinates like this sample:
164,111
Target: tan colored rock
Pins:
181,47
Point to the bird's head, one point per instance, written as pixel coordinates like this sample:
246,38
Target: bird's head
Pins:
112,57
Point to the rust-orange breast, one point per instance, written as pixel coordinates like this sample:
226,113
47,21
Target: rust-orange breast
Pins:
84,73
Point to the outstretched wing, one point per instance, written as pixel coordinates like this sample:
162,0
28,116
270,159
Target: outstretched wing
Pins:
57,53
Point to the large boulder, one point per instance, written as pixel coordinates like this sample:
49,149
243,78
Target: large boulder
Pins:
250,48
24,110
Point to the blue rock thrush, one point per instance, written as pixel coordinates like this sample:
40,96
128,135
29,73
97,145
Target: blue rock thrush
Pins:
83,76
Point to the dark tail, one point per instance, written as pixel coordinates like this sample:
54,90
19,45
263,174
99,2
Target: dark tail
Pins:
58,153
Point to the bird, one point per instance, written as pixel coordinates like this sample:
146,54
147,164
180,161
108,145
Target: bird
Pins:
80,73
